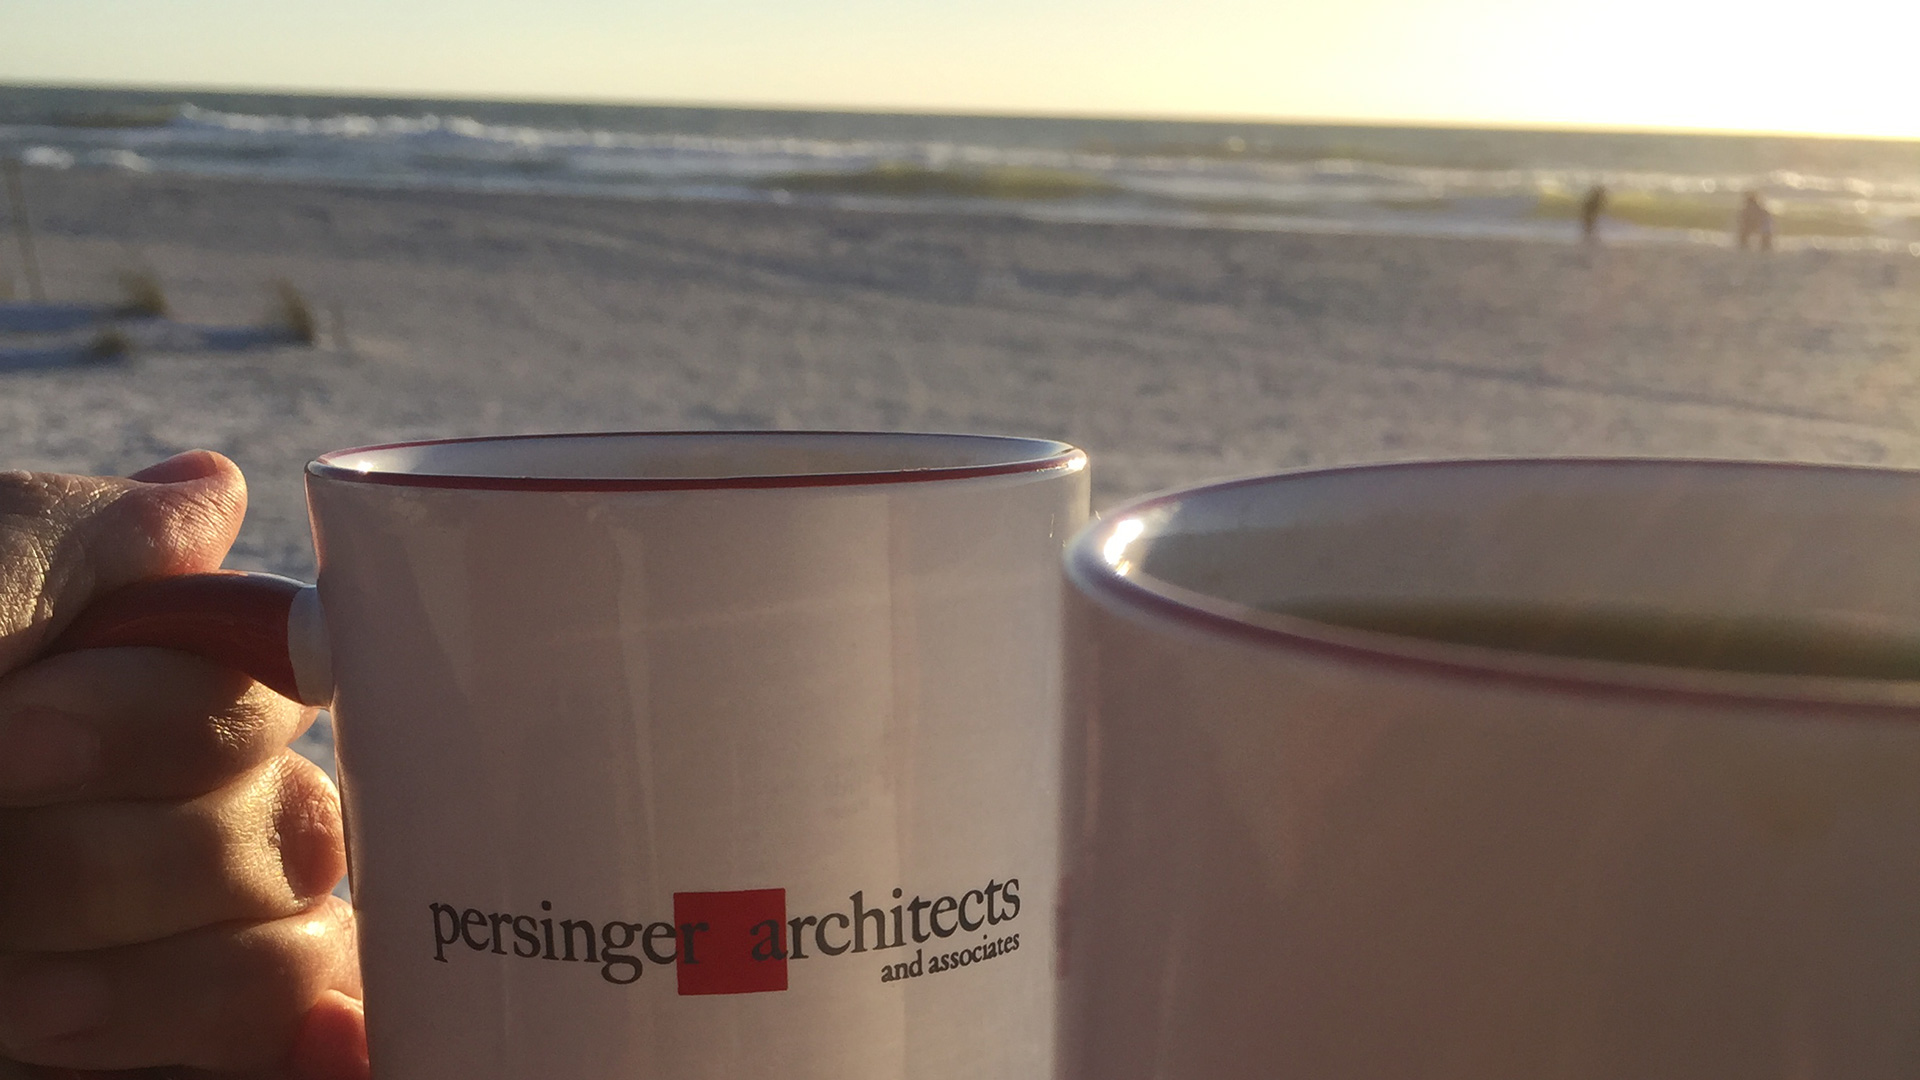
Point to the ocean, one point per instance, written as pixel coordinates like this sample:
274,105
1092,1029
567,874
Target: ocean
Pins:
1846,194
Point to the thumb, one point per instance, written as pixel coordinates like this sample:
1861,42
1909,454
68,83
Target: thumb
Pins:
65,540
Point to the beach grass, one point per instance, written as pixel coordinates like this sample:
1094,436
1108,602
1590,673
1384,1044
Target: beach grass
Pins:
141,295
110,343
904,180
291,313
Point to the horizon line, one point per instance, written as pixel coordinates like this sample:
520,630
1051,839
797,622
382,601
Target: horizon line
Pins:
367,94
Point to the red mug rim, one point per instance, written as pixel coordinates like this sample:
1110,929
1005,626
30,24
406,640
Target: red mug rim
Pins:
1040,455
1089,571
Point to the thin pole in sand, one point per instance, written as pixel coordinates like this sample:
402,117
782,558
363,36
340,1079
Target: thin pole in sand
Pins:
17,196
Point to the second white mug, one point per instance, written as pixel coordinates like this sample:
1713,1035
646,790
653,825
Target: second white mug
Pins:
1498,770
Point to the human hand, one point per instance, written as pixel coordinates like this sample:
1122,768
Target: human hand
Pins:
166,863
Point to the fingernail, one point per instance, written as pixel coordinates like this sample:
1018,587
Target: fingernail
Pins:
43,752
51,999
178,469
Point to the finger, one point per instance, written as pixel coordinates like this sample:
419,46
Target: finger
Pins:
42,1072
228,998
93,875
66,539
332,1041
330,1044
134,724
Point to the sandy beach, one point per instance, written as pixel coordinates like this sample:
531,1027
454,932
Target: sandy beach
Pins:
1173,355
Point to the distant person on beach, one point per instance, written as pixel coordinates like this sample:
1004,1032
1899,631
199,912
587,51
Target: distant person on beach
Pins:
1591,207
1756,223
166,862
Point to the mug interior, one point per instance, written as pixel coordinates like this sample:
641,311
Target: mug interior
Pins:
1834,545
642,460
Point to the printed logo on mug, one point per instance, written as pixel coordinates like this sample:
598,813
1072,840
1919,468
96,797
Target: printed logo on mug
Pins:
682,755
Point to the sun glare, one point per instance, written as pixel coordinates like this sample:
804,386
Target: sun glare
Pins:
1632,63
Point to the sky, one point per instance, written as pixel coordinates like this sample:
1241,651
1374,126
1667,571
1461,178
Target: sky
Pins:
1826,68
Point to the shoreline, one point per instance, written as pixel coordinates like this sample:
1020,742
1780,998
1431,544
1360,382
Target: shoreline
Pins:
1547,230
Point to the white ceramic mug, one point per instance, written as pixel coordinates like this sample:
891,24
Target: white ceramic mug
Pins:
1300,850
682,755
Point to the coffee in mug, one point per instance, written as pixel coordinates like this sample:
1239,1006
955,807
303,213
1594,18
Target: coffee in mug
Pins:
1760,645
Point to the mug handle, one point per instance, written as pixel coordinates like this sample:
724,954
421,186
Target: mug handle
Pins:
265,625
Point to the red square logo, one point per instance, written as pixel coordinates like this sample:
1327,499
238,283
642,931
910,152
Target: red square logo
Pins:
732,942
